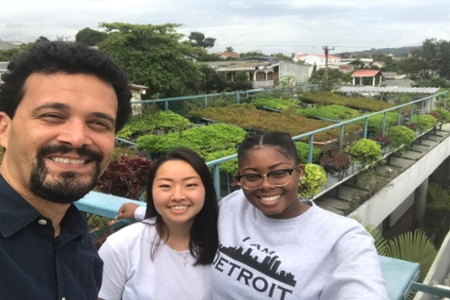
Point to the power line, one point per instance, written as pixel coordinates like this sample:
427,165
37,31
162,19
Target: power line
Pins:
284,45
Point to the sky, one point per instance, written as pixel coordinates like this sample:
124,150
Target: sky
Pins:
277,26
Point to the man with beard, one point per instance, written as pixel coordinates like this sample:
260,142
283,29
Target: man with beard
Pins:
60,107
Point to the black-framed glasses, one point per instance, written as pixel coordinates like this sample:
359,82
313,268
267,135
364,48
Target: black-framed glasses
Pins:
278,178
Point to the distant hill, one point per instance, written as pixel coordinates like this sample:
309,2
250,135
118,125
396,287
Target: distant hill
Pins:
397,52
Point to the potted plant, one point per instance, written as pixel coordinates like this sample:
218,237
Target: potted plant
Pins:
337,164
384,141
424,122
364,152
314,177
401,135
444,114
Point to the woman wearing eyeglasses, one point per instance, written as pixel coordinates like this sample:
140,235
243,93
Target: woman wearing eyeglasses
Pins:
274,246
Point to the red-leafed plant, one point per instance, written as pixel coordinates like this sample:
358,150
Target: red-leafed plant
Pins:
125,176
412,126
436,115
336,164
383,139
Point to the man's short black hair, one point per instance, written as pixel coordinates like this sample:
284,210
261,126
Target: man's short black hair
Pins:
69,58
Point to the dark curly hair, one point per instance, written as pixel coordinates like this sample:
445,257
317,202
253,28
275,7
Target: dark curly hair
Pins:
64,57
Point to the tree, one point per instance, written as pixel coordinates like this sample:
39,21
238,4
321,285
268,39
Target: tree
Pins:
281,56
90,37
251,53
335,78
153,56
198,39
12,54
229,49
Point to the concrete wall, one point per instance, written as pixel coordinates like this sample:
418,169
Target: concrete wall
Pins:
387,200
301,72
400,211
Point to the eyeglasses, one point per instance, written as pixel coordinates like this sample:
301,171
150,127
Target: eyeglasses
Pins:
278,178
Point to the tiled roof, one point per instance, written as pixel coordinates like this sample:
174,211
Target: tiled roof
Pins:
365,73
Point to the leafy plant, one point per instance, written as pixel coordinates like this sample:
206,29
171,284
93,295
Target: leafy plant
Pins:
303,152
314,177
401,135
125,176
230,166
336,164
364,151
437,213
332,112
444,114
203,140
275,103
159,123
424,121
412,126
247,116
383,139
375,123
119,151
414,247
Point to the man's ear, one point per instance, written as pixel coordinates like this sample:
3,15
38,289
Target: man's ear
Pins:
5,124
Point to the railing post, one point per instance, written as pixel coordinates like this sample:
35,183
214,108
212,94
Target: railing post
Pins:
217,180
206,102
383,130
366,126
238,98
341,138
167,104
310,150
399,122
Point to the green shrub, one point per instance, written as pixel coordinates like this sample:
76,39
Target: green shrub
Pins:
203,139
424,121
303,152
230,166
445,114
364,151
275,103
160,122
332,112
401,135
375,124
314,177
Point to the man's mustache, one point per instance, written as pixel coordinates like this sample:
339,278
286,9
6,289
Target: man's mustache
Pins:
64,149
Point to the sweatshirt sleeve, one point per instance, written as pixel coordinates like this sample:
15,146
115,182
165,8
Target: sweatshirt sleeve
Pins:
357,275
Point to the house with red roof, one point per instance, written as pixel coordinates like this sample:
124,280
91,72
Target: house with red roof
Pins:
374,74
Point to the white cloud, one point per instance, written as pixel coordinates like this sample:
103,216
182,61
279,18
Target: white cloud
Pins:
271,26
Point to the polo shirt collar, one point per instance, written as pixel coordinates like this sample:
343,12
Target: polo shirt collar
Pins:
16,213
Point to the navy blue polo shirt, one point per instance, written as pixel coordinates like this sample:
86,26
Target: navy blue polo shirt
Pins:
36,265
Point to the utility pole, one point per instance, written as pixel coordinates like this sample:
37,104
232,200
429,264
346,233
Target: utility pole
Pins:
326,49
